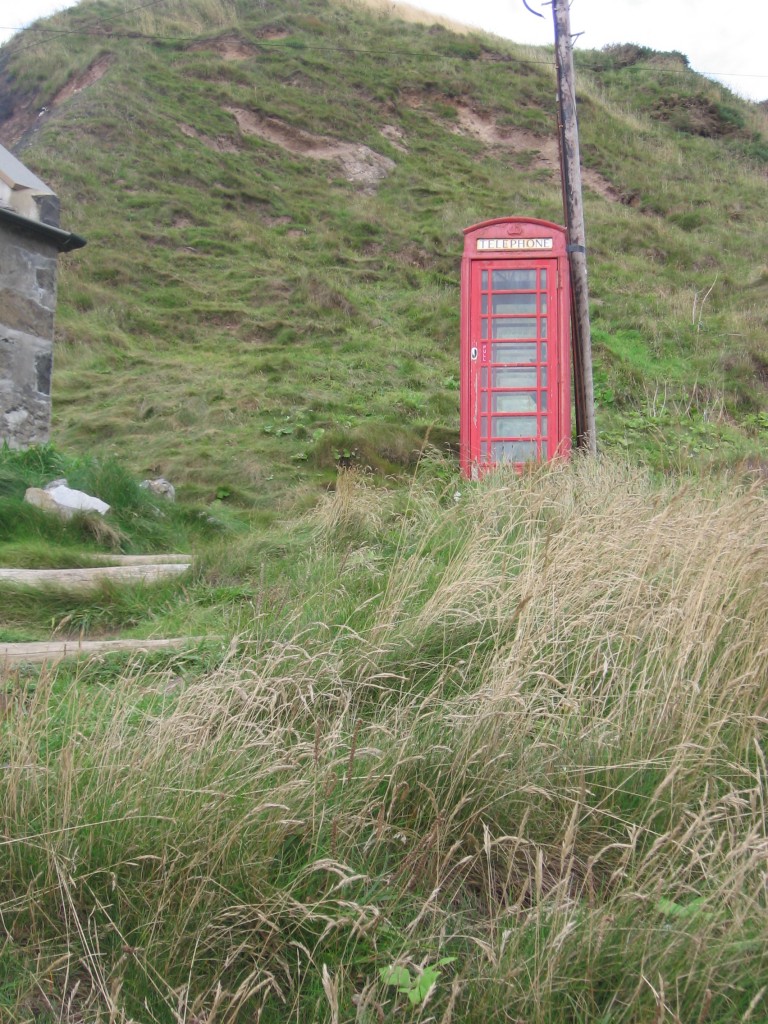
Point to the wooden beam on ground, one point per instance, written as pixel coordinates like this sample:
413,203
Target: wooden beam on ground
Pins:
107,559
90,579
52,651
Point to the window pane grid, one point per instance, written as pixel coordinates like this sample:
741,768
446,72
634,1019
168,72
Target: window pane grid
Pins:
520,352
514,378
514,400
516,327
513,451
517,280
513,426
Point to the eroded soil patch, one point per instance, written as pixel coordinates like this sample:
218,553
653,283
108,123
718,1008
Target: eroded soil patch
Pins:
395,137
90,76
232,47
229,47
221,144
542,151
360,164
697,115
27,118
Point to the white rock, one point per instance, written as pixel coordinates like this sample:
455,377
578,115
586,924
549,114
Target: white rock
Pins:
66,499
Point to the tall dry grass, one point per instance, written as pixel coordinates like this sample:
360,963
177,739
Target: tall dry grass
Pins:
187,19
522,726
408,12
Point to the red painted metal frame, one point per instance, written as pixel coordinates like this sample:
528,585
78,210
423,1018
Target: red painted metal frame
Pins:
555,260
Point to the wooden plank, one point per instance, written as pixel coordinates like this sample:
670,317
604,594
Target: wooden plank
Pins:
52,651
106,559
89,579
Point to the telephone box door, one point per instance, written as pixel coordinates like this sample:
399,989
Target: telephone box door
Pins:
515,366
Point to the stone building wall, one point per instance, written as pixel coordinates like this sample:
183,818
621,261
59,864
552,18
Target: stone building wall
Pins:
30,241
27,307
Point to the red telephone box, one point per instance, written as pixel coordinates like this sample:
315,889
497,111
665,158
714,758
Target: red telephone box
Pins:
515,344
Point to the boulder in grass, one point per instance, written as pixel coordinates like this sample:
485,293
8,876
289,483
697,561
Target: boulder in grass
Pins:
160,487
42,499
63,500
78,501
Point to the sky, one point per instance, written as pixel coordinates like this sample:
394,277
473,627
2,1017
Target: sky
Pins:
727,43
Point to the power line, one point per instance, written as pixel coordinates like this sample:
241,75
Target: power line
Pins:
93,22
298,46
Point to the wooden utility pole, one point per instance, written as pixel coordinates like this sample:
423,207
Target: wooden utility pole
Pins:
568,138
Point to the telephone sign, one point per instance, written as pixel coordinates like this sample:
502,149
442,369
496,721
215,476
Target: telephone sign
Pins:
515,344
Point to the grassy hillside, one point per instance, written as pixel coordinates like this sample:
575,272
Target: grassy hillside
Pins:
262,299
450,752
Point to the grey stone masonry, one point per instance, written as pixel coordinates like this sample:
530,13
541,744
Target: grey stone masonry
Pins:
30,241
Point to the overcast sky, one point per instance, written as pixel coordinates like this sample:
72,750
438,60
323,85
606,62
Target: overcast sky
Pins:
723,40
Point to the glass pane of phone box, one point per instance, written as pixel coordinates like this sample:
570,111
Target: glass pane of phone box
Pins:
513,451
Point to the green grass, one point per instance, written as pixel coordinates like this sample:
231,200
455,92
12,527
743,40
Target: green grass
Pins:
519,728
506,737
137,523
240,319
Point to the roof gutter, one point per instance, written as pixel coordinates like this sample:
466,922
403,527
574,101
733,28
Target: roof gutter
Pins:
65,241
